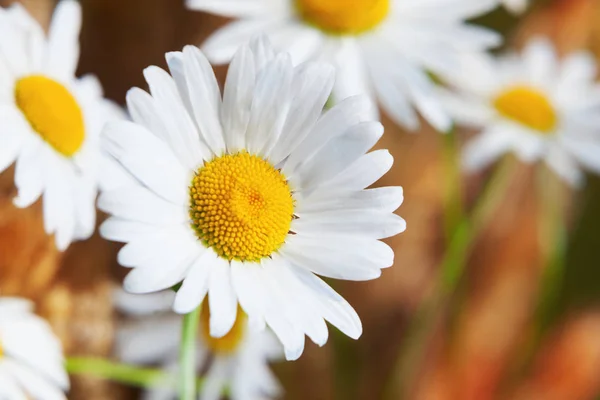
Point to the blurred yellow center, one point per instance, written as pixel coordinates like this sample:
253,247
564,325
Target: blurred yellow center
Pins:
343,16
228,343
527,106
241,206
52,112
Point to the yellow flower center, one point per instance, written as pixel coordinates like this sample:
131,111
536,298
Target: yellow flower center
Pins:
343,17
241,206
52,112
527,106
228,343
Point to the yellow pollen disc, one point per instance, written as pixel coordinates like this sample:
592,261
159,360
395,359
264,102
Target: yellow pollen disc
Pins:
228,343
52,112
528,106
241,206
343,17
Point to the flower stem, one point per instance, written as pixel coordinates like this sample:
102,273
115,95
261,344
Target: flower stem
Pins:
126,374
453,203
187,356
420,332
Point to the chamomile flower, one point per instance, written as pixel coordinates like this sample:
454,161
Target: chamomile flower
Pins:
239,361
516,6
50,120
31,360
246,198
534,105
381,48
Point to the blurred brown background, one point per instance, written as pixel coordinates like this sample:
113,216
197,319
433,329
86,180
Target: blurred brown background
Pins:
481,349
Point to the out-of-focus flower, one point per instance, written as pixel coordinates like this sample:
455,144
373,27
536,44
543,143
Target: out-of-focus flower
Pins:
51,121
382,48
238,361
248,198
534,105
516,6
31,360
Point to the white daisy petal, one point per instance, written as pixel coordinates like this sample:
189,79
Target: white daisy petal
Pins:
269,107
305,250
237,99
205,97
31,364
144,157
383,199
183,136
338,154
196,284
361,173
334,123
311,87
63,38
222,300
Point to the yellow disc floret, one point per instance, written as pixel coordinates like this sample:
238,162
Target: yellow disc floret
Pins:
527,106
241,206
343,17
228,343
52,112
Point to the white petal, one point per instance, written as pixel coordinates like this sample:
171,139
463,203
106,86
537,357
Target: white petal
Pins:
373,224
222,45
337,155
146,158
334,123
222,300
383,199
565,166
484,149
216,379
29,174
63,38
237,99
34,384
183,135
311,89
205,97
363,172
140,204
334,308
270,104
338,256
9,389
249,288
540,59
195,285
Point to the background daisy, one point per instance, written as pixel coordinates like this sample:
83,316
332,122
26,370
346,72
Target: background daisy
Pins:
50,120
239,361
246,199
534,105
31,361
381,48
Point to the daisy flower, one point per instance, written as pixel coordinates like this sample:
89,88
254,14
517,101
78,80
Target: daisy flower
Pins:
247,197
238,362
51,121
381,48
31,360
534,105
516,6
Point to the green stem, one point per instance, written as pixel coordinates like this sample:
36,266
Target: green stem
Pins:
553,240
420,332
453,203
187,356
126,374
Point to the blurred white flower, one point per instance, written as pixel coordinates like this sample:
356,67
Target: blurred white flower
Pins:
534,105
239,361
516,6
381,48
51,121
248,197
31,360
